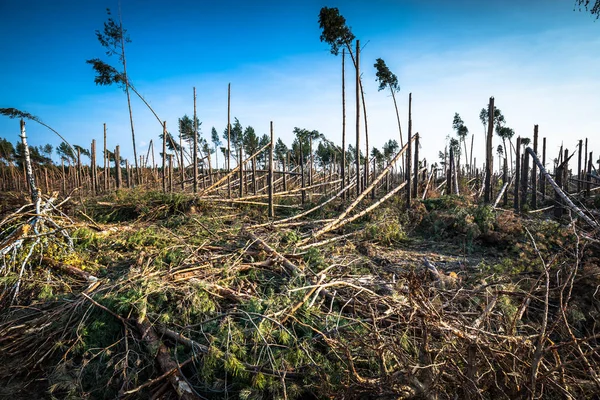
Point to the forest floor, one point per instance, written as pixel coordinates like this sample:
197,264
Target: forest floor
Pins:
168,296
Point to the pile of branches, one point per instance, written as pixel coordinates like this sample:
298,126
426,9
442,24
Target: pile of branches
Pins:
241,313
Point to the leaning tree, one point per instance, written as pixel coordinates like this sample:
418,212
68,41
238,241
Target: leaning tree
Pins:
113,39
387,79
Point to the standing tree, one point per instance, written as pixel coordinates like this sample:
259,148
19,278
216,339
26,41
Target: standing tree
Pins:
7,151
65,152
235,133
281,150
47,149
500,152
388,80
461,131
113,38
186,131
217,142
337,34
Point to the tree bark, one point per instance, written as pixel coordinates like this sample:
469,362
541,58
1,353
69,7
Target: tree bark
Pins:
343,123
559,192
517,200
487,197
534,179
357,161
195,156
409,152
164,157
271,188
28,169
229,138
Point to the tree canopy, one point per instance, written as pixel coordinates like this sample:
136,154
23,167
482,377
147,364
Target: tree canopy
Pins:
385,77
593,6
334,29
112,38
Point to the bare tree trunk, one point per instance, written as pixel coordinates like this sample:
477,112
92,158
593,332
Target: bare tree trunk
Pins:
517,174
409,152
118,167
362,94
93,167
28,169
487,198
589,175
271,178
241,188
524,179
542,177
357,66
505,180
181,163
164,157
416,167
302,172
471,166
229,138
106,164
123,58
284,173
195,158
170,173
343,124
534,170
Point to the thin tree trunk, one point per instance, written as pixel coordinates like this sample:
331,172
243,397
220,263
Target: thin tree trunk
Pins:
271,177
471,166
302,184
542,177
164,157
416,168
106,166
488,154
524,180
118,167
27,163
170,173
127,87
343,123
517,174
534,170
229,138
181,163
357,67
195,157
93,167
409,152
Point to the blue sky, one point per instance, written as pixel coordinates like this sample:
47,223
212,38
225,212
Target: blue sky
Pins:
540,59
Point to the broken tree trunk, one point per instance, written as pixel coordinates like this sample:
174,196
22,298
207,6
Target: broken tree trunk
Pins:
562,195
181,387
488,154
28,168
383,173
